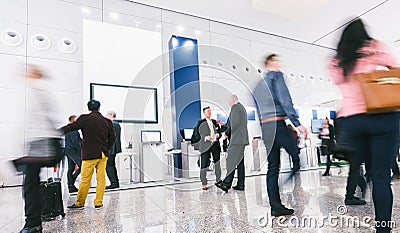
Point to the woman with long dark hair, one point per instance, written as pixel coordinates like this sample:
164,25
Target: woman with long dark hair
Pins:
368,135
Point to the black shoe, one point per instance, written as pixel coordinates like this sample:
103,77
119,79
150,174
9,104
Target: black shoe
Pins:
326,174
37,229
76,207
222,186
282,212
72,189
354,201
98,207
218,182
239,188
113,186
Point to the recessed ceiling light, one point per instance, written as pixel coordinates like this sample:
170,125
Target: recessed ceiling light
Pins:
12,38
158,26
67,45
197,33
41,42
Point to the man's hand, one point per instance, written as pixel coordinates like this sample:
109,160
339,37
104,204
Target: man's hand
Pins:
208,138
217,135
303,130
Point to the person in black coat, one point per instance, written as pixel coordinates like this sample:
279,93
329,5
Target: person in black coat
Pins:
73,144
111,168
327,135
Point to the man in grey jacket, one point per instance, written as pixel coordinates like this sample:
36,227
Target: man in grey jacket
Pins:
237,142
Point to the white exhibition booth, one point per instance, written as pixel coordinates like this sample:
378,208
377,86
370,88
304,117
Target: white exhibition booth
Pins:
126,68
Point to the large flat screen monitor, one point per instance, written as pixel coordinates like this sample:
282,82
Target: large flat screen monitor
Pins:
317,125
131,103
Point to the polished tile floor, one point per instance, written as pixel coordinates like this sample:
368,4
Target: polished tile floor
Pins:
187,208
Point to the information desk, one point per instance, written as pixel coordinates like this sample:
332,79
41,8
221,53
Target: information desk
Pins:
190,169
127,168
151,161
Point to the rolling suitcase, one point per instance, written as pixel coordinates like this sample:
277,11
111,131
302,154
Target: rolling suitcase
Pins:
52,203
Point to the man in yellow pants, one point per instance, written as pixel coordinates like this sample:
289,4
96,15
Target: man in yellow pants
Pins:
98,139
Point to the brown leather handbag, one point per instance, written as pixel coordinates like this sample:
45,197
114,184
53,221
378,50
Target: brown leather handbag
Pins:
381,90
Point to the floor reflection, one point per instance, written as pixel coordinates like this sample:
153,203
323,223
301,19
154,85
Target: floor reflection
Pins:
187,208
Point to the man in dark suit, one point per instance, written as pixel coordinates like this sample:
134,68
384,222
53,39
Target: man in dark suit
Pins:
237,142
210,132
98,139
73,144
111,169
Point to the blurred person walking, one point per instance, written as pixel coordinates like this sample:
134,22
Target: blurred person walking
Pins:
73,144
373,135
98,139
274,103
44,146
116,148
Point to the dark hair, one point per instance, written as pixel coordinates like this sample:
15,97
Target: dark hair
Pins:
269,58
71,118
206,108
353,38
93,105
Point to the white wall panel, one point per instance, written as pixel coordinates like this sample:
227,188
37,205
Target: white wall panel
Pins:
13,11
13,72
54,51
12,139
131,8
20,29
185,20
130,21
60,15
229,30
64,76
92,3
12,101
296,45
238,45
266,38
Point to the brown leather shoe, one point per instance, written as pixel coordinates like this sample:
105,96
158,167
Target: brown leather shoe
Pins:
205,187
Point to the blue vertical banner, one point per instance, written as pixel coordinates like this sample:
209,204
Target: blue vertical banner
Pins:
184,86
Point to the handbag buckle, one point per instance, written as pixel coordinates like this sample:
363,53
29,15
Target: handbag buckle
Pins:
388,80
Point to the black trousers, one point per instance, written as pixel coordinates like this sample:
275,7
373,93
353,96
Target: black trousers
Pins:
275,136
374,139
215,150
32,197
328,143
235,161
112,170
73,159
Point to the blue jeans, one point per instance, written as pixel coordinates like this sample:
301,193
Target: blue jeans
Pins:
274,139
374,136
